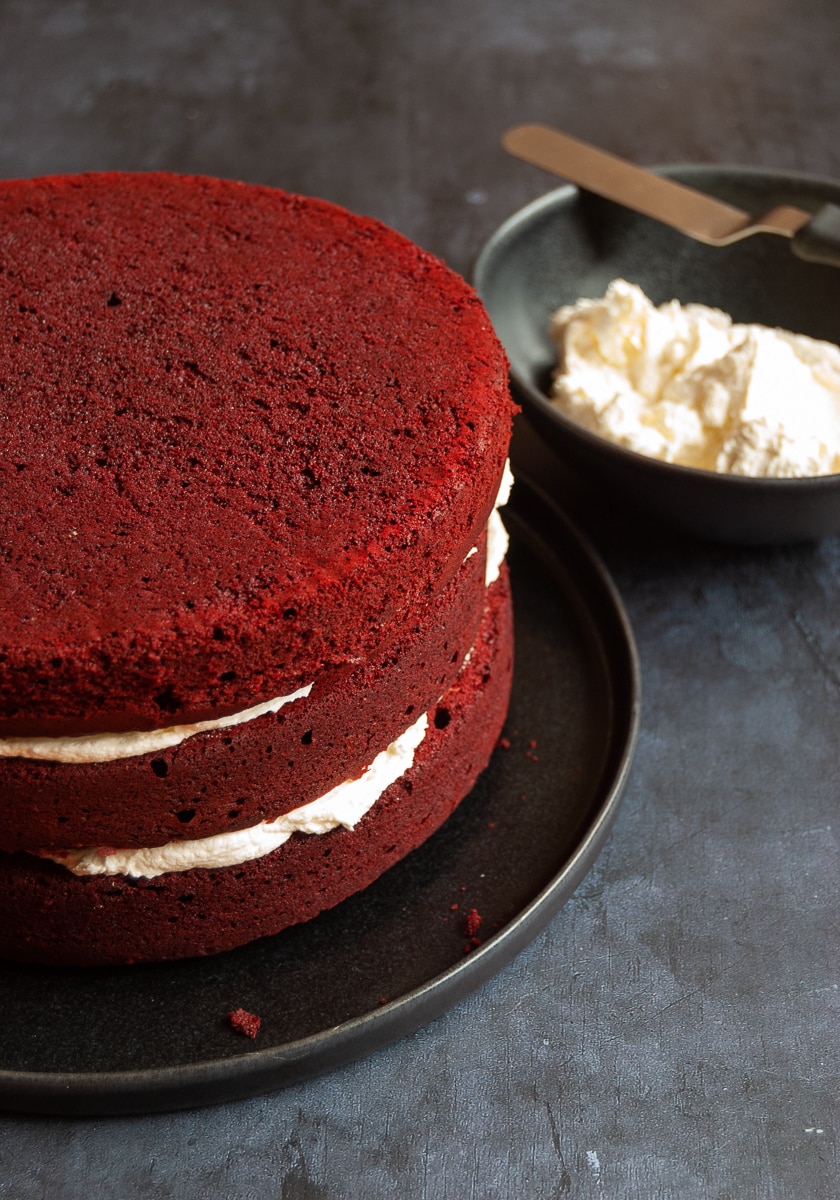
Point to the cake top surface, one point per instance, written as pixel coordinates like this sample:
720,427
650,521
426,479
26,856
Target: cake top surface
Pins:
230,417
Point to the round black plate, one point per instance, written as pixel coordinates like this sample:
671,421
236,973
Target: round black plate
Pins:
152,1038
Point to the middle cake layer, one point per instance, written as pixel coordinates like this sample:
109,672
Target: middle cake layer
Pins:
231,778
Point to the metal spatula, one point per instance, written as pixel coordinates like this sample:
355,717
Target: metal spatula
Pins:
814,236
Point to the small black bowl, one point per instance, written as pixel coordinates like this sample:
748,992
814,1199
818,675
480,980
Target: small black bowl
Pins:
570,244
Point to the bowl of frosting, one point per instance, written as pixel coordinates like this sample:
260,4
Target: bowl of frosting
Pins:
700,382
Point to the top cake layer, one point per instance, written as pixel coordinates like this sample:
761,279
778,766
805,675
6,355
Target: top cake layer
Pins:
242,430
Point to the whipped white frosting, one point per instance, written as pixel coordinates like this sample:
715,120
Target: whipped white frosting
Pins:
686,385
497,536
106,747
344,805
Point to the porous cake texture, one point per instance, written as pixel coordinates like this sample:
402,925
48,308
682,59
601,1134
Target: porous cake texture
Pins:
251,447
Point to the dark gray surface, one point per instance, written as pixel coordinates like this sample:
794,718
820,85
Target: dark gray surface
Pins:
674,1032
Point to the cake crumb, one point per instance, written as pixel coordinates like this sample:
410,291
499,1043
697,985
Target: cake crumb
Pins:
503,743
244,1022
473,922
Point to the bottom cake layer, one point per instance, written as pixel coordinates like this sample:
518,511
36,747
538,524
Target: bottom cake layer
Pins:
49,916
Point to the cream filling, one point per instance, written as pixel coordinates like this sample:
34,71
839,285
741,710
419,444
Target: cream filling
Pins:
344,805
497,536
106,747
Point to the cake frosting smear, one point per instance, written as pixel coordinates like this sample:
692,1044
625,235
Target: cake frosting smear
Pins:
685,384
109,747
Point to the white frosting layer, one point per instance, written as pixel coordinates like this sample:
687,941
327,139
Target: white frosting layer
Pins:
686,385
345,805
106,747
497,537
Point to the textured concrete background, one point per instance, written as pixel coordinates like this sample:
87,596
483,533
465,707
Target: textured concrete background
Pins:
673,1034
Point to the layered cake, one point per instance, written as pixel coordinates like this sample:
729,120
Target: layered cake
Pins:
255,623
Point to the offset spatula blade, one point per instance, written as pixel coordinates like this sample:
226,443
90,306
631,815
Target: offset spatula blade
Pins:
816,237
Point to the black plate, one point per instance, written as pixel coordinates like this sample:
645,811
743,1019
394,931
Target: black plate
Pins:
570,244
152,1038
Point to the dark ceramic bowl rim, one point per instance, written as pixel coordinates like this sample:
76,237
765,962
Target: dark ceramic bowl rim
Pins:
687,173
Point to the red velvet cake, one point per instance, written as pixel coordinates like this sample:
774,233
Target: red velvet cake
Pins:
255,633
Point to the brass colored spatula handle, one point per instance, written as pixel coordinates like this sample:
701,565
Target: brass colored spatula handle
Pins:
697,214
